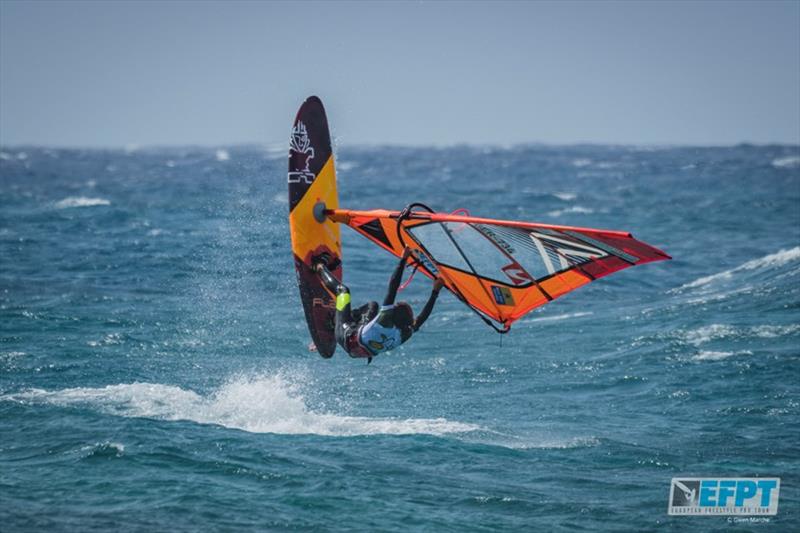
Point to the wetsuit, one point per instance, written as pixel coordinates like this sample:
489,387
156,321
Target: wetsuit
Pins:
369,330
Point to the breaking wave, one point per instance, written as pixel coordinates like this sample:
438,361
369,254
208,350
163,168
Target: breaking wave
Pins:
786,162
271,404
80,201
770,261
715,332
266,404
564,316
573,209
717,356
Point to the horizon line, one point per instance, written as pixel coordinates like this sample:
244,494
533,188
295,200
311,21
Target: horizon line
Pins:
274,145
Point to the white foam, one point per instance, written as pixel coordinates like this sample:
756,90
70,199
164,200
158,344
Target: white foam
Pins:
771,332
265,404
104,449
222,155
496,438
709,333
565,196
713,332
344,166
571,209
786,162
5,156
717,356
81,201
580,163
769,261
560,317
9,356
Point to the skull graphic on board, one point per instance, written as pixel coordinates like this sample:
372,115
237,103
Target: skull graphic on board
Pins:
301,153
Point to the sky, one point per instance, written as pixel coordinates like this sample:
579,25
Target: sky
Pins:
112,74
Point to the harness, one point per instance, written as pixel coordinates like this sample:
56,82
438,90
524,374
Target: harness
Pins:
376,337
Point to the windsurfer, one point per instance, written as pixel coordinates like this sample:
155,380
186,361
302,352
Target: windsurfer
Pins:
372,329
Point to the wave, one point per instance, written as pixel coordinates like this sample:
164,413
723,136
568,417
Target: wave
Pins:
269,404
717,356
564,316
496,438
769,261
565,196
264,404
222,155
80,201
344,166
786,162
571,209
714,332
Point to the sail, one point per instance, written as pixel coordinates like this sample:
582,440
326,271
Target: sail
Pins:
501,269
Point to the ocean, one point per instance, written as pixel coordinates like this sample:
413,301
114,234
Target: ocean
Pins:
155,372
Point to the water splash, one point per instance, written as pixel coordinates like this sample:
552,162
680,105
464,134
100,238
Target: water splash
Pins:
263,404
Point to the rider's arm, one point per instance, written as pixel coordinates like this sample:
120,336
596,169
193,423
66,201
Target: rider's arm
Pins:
397,276
426,311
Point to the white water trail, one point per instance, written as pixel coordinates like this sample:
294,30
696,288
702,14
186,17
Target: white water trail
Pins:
264,404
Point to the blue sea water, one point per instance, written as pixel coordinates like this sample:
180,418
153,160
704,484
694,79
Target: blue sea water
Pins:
155,374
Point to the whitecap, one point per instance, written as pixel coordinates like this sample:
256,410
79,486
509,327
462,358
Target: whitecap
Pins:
222,155
104,449
712,356
707,355
607,165
709,333
771,332
276,151
580,163
571,209
786,162
714,332
514,442
772,260
344,166
81,201
565,196
559,317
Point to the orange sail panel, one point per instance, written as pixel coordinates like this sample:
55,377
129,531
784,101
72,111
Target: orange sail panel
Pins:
502,269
